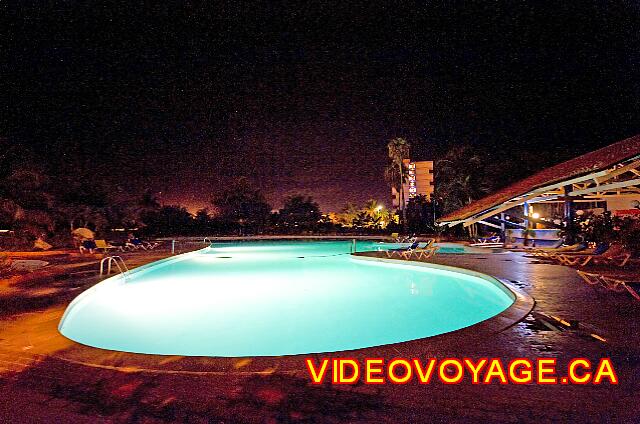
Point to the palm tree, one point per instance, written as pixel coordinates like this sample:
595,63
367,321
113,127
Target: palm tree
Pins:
463,175
348,214
376,215
372,208
398,150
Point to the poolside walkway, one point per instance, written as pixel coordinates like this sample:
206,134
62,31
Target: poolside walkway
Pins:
36,380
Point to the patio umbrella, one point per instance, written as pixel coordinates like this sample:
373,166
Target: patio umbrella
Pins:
83,233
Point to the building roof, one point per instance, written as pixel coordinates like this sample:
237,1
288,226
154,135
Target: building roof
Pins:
594,161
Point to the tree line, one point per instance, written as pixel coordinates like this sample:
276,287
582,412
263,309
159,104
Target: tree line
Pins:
36,201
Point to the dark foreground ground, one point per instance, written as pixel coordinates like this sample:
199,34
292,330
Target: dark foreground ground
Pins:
40,382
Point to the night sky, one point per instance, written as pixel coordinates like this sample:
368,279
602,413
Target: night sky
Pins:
180,98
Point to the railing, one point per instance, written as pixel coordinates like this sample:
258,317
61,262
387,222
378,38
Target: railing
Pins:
182,246
118,261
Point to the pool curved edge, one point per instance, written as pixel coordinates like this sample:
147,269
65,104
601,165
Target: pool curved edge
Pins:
522,304
294,364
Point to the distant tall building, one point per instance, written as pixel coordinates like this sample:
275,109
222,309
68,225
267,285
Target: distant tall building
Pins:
419,181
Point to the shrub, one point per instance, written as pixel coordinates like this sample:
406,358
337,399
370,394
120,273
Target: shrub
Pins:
628,233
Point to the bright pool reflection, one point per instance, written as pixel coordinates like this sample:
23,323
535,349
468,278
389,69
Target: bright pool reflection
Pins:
276,298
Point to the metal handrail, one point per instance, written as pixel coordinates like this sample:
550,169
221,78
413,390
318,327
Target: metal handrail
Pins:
117,260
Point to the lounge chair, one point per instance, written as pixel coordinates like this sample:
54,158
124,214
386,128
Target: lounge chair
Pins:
102,244
631,283
151,245
409,251
552,252
427,243
616,280
404,239
591,278
598,250
492,241
392,252
136,243
493,238
425,251
610,255
420,252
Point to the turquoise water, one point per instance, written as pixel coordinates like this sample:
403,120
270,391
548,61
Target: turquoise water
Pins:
276,298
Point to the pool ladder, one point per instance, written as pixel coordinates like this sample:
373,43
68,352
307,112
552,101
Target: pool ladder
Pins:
111,260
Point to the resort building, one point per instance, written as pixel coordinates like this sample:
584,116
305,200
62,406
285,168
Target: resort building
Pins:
419,181
607,179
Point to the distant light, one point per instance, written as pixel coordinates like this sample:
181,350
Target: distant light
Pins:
379,207
535,215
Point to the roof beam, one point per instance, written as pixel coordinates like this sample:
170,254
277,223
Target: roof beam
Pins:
545,199
501,208
602,188
449,223
532,195
539,194
618,171
488,224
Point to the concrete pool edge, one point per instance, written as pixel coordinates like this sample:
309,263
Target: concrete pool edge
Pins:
133,362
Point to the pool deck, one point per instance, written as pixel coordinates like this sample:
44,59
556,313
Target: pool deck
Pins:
45,377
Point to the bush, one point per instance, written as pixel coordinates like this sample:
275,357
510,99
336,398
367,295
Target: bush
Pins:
606,228
628,233
597,228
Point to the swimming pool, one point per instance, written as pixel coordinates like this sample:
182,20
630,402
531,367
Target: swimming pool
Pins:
277,298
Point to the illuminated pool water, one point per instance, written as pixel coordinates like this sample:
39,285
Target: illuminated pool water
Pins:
277,298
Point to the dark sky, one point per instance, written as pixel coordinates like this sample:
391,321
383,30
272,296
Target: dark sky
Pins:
180,98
